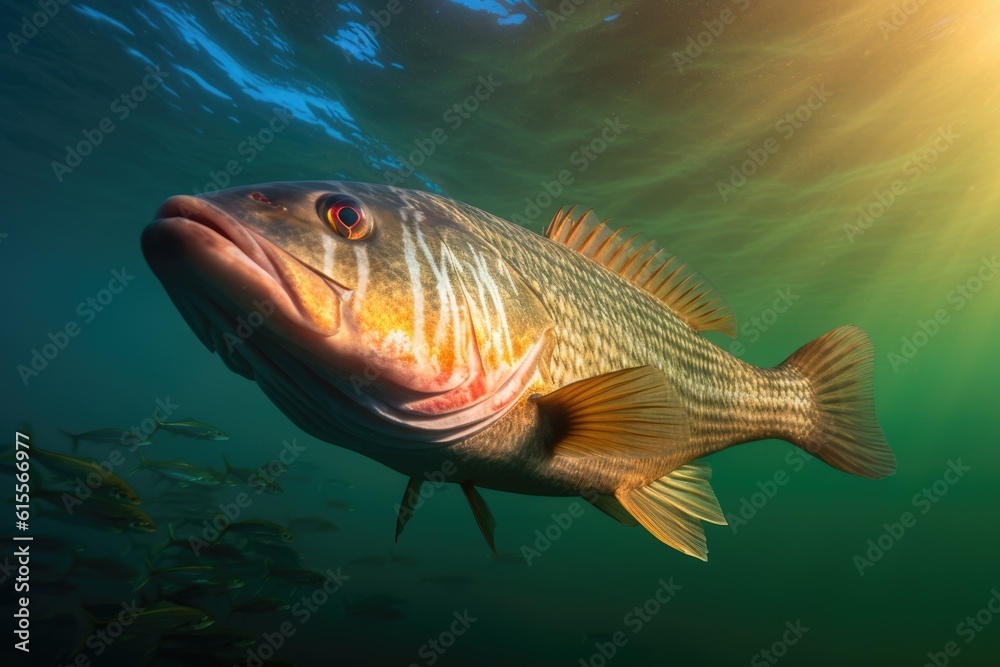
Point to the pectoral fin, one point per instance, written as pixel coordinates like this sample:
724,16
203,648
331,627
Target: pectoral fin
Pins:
409,503
672,508
632,413
484,517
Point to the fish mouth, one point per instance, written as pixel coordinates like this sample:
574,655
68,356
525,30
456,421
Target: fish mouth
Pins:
199,251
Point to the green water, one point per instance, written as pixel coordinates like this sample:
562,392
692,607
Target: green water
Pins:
898,107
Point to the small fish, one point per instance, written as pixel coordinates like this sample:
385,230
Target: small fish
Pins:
344,505
261,530
300,576
97,512
261,605
402,560
161,618
192,574
202,549
185,473
90,475
369,561
108,436
257,479
190,429
278,553
313,523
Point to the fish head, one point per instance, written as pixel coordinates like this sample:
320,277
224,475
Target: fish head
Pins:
142,523
201,622
374,317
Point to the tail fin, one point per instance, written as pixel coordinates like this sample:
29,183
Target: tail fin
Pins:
846,433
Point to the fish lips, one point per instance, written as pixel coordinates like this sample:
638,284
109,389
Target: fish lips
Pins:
193,244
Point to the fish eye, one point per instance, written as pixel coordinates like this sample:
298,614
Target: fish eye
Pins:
348,217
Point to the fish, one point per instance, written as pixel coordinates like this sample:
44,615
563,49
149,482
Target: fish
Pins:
191,574
317,524
159,619
447,343
257,479
261,530
260,605
108,436
337,504
96,512
89,476
185,473
299,576
200,548
190,429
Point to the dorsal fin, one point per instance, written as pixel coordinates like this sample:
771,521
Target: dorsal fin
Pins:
647,265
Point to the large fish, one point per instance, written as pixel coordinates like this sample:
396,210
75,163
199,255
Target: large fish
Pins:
450,344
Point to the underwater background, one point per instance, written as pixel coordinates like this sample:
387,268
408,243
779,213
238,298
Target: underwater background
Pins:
821,163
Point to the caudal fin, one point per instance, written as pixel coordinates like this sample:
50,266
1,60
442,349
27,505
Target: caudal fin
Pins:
845,432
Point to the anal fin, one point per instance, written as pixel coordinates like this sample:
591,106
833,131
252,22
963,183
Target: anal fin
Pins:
481,511
673,507
632,413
